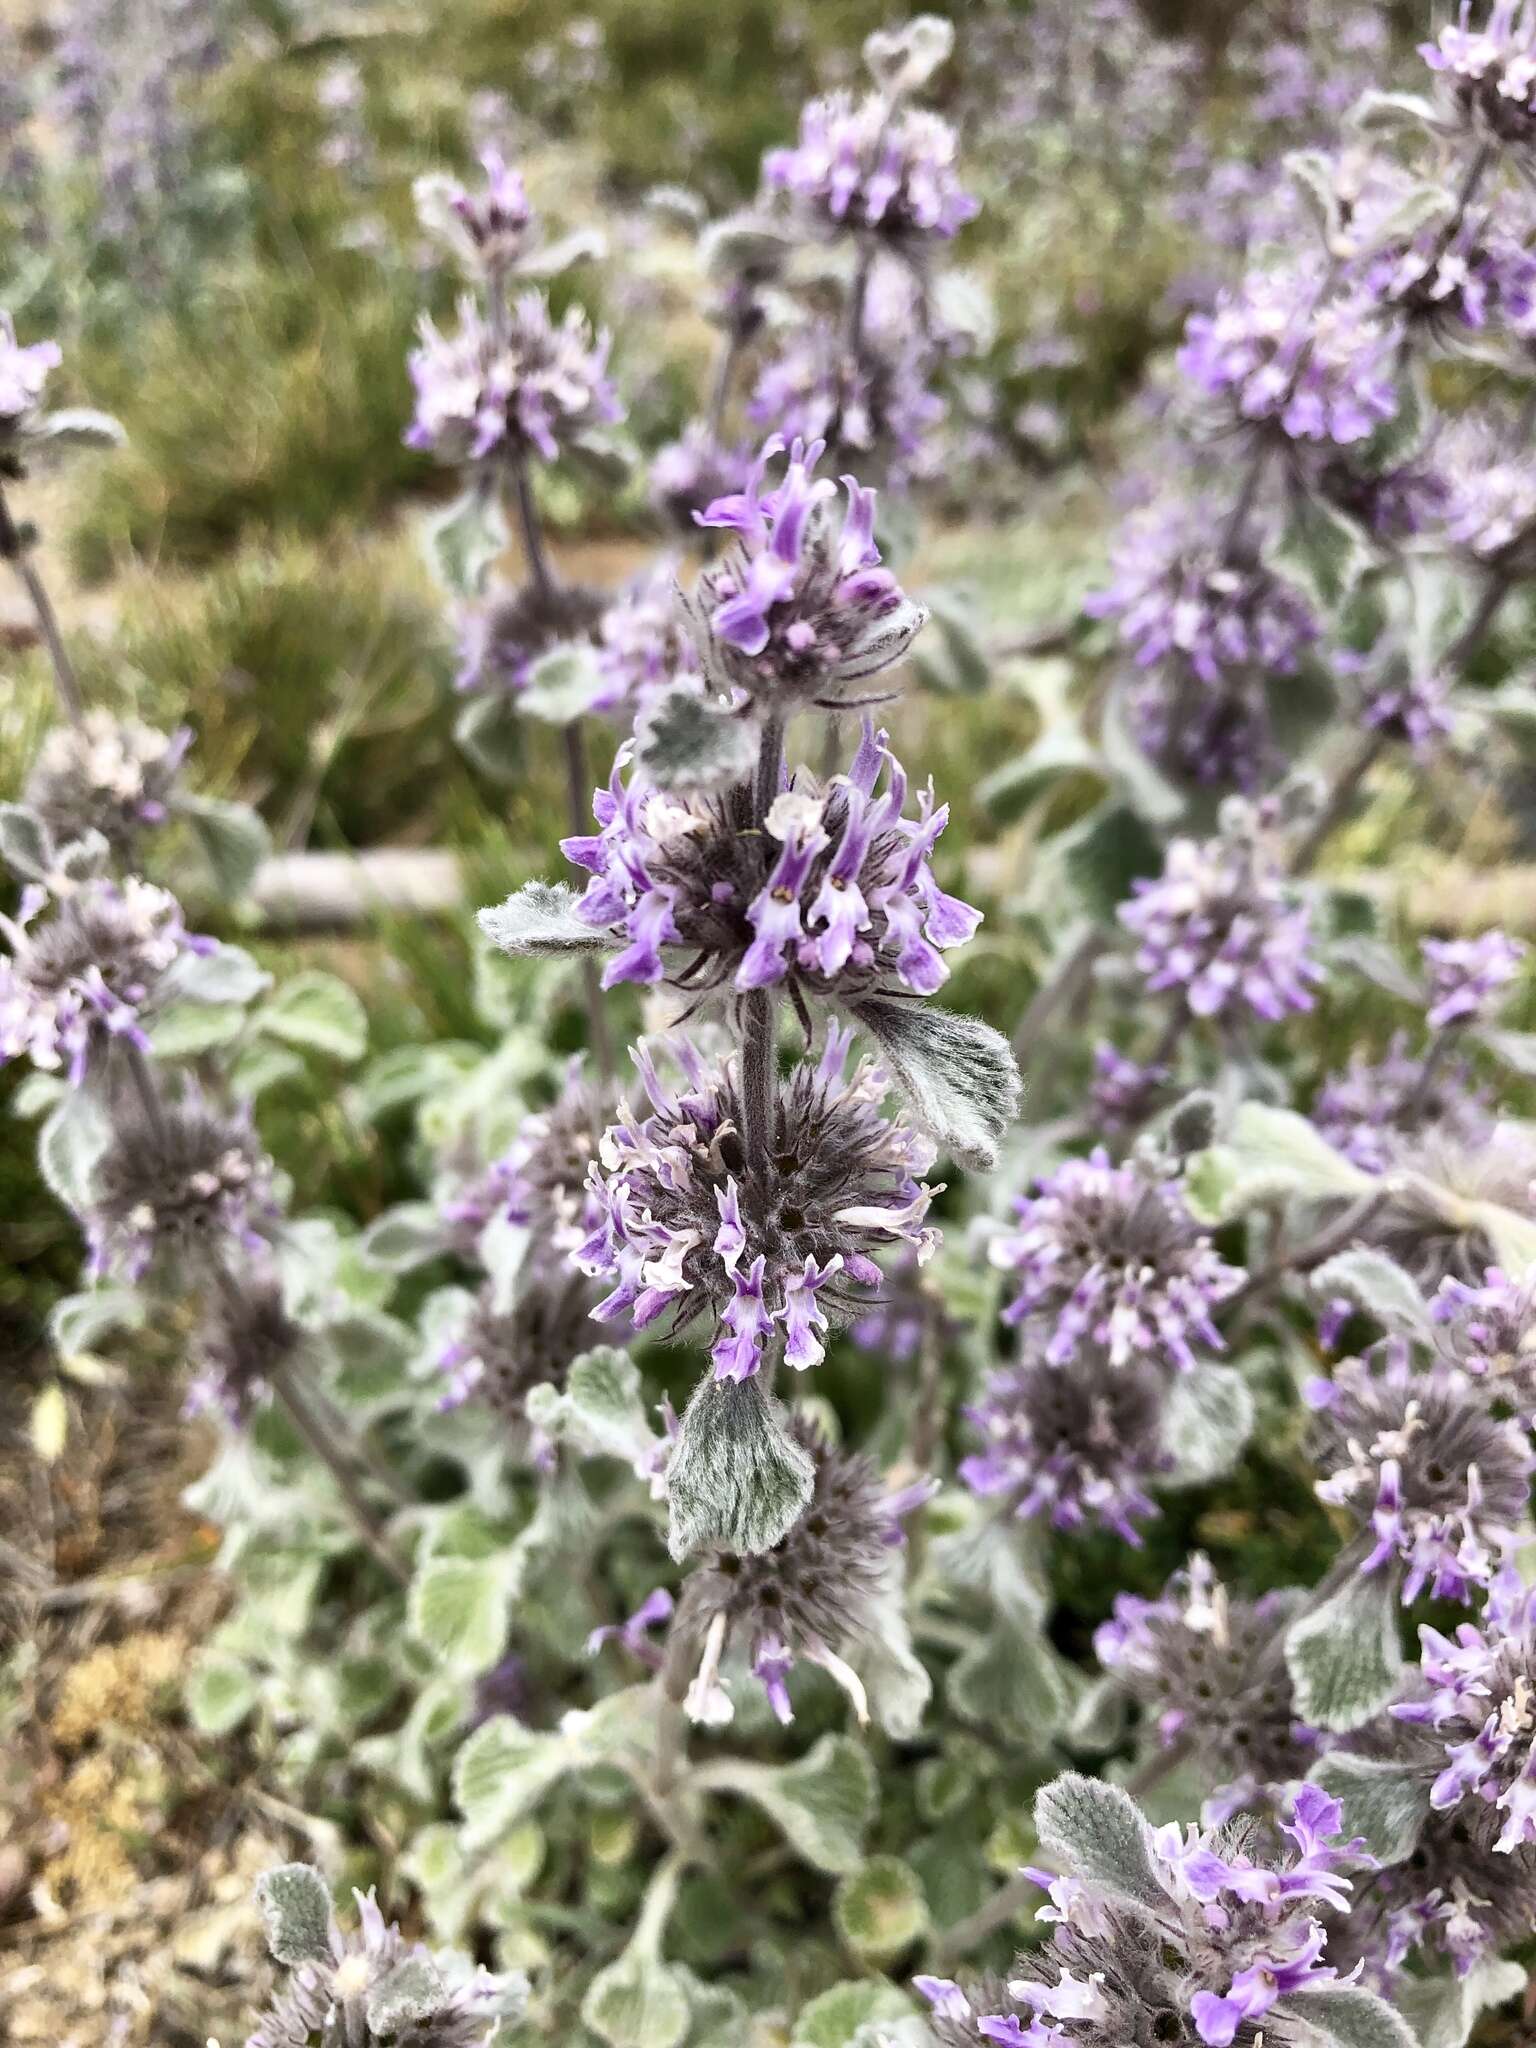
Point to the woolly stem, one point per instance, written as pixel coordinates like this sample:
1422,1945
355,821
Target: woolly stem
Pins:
758,1038
576,789
66,682
143,1079
319,1440
540,572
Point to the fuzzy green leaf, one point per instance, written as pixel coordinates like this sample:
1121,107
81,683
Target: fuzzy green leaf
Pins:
736,1478
295,1907
1344,1656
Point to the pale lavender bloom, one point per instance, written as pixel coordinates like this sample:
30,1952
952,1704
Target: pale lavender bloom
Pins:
1488,74
631,1635
24,373
1393,504
1109,1259
108,775
863,165
1228,1935
835,892
823,1593
187,1183
643,647
89,970
687,1230
503,635
246,1340
540,1181
502,1353
1409,705
1489,1330
1223,929
1079,1447
1466,975
1312,368
1420,1460
1480,1698
874,405
494,221
1375,1109
1490,508
1122,1089
689,473
540,389
798,607
1203,1664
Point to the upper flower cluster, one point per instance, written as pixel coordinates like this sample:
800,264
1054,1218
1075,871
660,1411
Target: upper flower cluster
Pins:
1207,1934
1222,928
690,1226
862,164
1466,975
88,971
799,606
1489,73
533,386
837,892
1277,352
108,775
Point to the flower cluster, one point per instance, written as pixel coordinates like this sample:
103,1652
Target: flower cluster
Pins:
501,1352
506,633
837,892
1409,705
1222,929
866,166
88,971
874,403
691,472
529,385
181,1181
822,1593
108,775
1108,1257
798,607
1078,1447
1276,351
642,646
246,1341
1465,976
1488,1328
24,373
690,1227
1489,510
1208,1934
1210,1670
1437,1483
1374,1109
1489,73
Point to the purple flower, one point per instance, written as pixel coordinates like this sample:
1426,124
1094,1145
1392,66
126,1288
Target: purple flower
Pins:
827,1592
489,227
1079,1447
837,892
1488,73
1222,928
1219,1934
539,389
503,635
90,970
1466,974
24,373
1410,706
864,165
1490,486
1203,1663
1109,1257
1393,504
187,1183
688,1229
1489,1330
631,1635
247,1338
503,1350
798,607
642,645
1122,1089
540,1181
691,472
108,775
873,404
1375,1109
1425,1466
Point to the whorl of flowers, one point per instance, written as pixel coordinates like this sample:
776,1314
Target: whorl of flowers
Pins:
1465,975
837,892
1374,1109
873,403
89,970
1108,1257
1217,1938
1488,1328
798,607
541,1180
866,166
24,374
1409,705
1490,493
1078,1447
821,1593
1222,929
420,1998
1392,504
642,645
108,775
688,474
538,388
1273,352
1488,73
691,1227
1437,1483
188,1181
246,1340
505,633
1206,1666
492,223
501,1352
1480,1699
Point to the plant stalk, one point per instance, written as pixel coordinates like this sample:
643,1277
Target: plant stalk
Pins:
66,682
